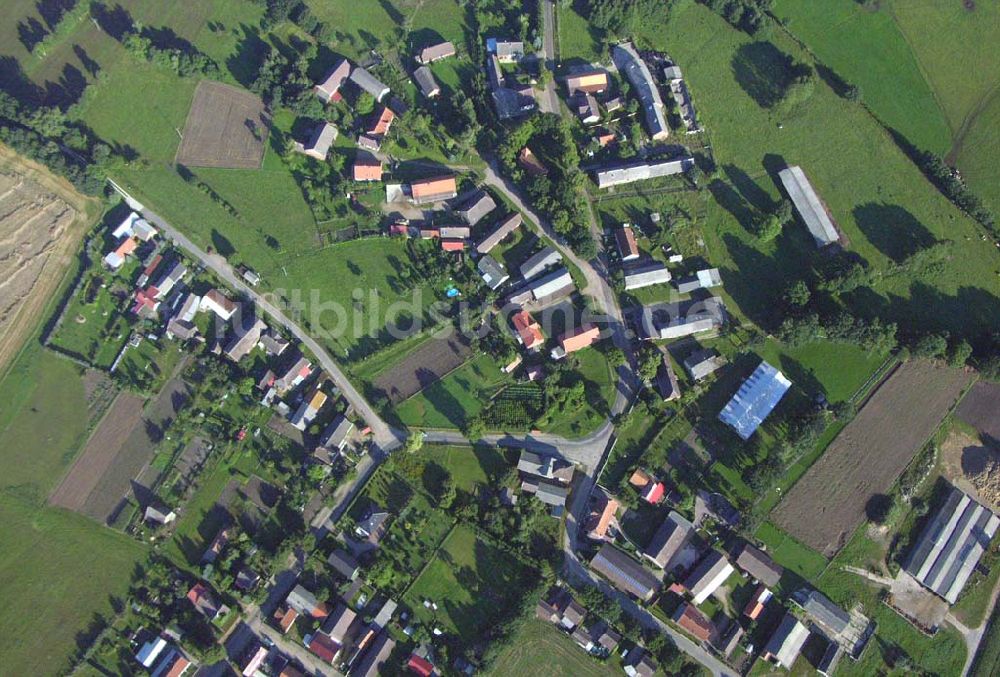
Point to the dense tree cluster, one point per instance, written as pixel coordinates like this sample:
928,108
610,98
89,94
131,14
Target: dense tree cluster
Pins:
951,184
622,17
556,195
184,62
767,225
48,135
748,15
284,81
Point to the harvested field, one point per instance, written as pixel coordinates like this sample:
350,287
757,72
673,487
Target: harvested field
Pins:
824,508
41,220
117,453
423,367
226,127
981,409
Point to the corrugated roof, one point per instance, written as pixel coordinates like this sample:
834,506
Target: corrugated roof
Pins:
809,206
624,572
539,261
506,227
755,400
640,171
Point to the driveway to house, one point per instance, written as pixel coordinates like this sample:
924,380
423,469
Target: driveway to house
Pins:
549,102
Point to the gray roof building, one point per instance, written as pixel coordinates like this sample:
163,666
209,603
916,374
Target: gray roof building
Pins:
319,143
511,103
492,272
666,379
506,50
646,275
436,52
338,624
344,564
456,232
425,80
476,208
631,64
831,618
703,363
494,72
330,85
625,573
551,284
670,539
376,657
336,434
302,601
759,565
951,545
551,494
755,400
506,227
617,175
246,335
809,206
711,572
369,83
674,320
384,614
549,467
787,641
538,262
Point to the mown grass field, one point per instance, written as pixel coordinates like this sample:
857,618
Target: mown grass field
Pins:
51,560
470,581
926,68
577,41
455,399
468,466
540,648
880,199
791,554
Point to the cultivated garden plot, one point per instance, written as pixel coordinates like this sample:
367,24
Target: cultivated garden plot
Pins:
226,127
825,507
423,367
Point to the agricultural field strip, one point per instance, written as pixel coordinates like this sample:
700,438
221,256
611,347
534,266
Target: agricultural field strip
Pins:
828,502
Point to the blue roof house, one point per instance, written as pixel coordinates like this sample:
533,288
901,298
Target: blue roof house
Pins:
755,400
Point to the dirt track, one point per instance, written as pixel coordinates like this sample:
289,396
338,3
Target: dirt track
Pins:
825,507
41,221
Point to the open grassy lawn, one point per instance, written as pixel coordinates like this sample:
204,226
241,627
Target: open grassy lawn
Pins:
791,554
836,370
432,21
881,201
868,49
540,648
470,581
578,41
468,466
63,565
452,401
926,68
50,559
943,654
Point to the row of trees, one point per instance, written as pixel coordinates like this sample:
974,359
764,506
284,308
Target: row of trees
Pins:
751,16
185,62
48,135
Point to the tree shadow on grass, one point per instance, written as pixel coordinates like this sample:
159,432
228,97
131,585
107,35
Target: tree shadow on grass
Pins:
222,245
748,188
248,56
893,230
731,200
761,69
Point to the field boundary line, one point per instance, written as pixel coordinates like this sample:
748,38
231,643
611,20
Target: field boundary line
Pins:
433,556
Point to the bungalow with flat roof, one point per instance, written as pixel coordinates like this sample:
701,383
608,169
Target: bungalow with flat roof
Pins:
478,206
787,641
436,52
529,332
492,272
625,573
757,564
616,175
435,189
625,239
637,277
451,232
308,410
337,433
367,167
711,572
676,320
576,339
589,81
634,68
951,544
538,262
755,400
369,83
667,549
703,363
425,80
246,335
809,206
694,622
318,145
329,88
505,228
